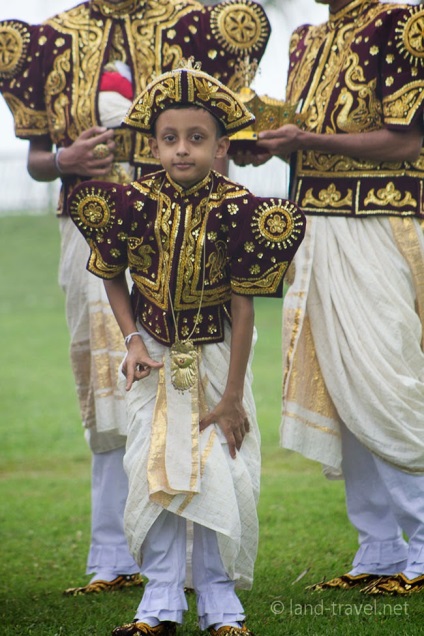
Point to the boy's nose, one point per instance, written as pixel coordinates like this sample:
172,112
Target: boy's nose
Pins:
182,148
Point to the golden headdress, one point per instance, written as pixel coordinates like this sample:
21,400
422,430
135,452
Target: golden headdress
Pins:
188,85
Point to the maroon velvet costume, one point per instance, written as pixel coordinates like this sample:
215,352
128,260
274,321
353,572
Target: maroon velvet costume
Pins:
156,228
50,73
358,72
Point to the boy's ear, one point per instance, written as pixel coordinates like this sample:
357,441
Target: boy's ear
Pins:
222,147
154,147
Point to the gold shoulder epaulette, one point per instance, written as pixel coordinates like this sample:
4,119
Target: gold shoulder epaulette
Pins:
14,42
409,36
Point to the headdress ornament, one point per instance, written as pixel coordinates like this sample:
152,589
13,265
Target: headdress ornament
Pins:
269,113
188,84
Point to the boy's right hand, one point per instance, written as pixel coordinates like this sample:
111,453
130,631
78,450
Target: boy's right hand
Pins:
137,363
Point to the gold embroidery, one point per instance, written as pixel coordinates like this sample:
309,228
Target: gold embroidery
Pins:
93,209
89,42
117,9
402,105
410,36
118,51
268,282
14,41
28,122
239,26
140,255
98,266
360,109
56,85
276,224
330,197
197,88
390,196
217,261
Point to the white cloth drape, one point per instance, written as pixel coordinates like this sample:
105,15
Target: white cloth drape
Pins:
353,310
229,488
97,346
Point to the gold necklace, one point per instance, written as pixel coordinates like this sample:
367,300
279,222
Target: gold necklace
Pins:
183,353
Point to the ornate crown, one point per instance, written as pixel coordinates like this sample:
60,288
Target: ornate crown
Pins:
270,113
187,84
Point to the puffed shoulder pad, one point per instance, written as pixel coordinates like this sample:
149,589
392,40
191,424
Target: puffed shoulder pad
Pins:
14,42
409,36
240,25
93,210
277,224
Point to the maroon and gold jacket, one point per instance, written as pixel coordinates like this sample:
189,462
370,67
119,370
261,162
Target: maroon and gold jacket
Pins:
50,73
360,71
194,246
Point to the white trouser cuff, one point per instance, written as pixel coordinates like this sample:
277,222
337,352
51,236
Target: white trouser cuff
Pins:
381,557
219,606
154,600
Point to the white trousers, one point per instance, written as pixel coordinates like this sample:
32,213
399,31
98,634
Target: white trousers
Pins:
164,564
384,504
109,554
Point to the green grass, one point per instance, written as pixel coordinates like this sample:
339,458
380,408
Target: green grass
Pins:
45,474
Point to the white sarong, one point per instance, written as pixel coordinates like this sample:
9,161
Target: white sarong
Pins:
352,341
223,493
96,347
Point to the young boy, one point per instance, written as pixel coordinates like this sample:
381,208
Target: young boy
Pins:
198,248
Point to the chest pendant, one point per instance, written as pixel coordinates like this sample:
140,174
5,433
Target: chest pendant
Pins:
184,369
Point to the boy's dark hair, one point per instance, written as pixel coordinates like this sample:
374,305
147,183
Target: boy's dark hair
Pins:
220,128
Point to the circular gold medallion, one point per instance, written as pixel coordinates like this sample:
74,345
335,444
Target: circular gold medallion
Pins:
14,39
94,211
239,26
410,37
276,223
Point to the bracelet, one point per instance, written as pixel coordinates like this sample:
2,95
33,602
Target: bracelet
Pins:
130,335
56,157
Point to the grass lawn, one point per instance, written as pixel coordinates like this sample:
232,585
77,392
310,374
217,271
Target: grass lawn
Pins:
45,473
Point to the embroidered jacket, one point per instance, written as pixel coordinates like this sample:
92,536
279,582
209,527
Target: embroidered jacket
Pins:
50,73
193,246
359,72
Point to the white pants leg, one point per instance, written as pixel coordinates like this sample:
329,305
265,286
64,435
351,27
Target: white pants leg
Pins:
164,565
109,554
407,496
217,602
382,549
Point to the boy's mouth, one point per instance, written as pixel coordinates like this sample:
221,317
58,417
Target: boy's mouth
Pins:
182,165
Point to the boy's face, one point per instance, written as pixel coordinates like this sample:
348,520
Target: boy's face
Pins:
187,144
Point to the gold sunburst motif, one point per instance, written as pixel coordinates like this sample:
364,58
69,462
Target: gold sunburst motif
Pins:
14,41
93,209
410,36
239,26
276,224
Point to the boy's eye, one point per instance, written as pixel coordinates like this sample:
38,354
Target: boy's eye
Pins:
169,138
197,137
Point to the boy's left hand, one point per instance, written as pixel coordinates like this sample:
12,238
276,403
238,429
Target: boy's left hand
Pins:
231,417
